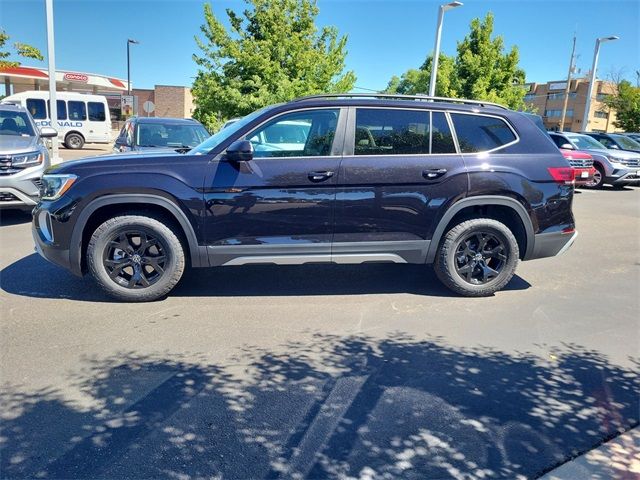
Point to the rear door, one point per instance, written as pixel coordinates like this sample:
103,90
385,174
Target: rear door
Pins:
399,170
281,202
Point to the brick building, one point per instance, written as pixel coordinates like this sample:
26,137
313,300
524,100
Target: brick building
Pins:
169,101
547,99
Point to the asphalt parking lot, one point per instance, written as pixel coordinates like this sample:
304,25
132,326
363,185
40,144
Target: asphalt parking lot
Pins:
363,372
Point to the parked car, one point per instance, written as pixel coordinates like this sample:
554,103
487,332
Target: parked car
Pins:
23,157
582,164
156,134
616,141
614,167
468,186
82,118
633,135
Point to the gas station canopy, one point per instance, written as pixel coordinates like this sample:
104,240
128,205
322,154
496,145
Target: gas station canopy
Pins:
21,79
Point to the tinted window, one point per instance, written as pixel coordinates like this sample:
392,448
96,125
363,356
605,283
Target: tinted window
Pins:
77,110
478,133
96,112
37,108
62,109
167,135
308,134
559,141
441,138
607,142
391,132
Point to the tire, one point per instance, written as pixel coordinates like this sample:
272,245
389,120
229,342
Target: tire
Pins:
74,141
129,268
598,178
459,267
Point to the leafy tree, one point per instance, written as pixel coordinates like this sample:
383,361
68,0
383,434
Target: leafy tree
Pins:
626,103
21,49
481,70
273,53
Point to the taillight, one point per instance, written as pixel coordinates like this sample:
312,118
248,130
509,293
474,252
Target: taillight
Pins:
562,174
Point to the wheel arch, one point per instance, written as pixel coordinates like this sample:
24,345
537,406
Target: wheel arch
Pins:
506,209
106,207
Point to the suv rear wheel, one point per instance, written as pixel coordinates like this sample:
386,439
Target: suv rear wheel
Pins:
135,258
477,257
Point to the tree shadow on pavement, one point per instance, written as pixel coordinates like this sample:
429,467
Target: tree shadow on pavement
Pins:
335,407
14,217
32,276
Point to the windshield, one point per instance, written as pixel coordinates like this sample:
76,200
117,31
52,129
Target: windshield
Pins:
586,142
170,135
626,142
224,133
15,123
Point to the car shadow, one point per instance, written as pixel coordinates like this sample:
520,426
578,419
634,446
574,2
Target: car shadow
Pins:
14,217
32,276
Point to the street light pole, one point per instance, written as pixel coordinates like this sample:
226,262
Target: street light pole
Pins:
436,48
568,85
129,42
592,81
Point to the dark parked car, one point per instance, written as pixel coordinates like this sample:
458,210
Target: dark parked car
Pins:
616,141
157,134
469,186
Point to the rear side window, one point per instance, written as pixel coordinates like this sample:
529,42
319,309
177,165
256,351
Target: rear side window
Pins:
391,132
77,110
62,109
477,133
441,138
559,141
37,108
96,112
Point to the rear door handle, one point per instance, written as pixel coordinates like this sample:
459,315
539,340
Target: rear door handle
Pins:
434,173
320,176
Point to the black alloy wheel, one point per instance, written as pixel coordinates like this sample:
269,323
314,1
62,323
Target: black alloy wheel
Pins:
480,257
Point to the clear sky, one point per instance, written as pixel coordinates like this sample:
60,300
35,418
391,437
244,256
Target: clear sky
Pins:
386,37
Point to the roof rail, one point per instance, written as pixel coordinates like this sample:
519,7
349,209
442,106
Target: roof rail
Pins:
401,97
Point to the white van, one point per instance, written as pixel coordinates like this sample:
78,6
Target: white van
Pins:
82,118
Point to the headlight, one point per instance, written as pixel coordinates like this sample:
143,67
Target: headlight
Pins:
54,186
27,159
617,160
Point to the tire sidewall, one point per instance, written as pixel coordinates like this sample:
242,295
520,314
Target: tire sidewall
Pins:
70,145
98,244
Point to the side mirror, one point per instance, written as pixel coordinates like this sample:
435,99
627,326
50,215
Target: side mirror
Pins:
614,146
240,151
48,132
567,146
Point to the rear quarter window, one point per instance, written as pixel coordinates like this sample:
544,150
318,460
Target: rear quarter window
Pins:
479,133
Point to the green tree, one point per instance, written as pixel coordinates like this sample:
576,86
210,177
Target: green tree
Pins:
20,49
481,70
626,103
273,53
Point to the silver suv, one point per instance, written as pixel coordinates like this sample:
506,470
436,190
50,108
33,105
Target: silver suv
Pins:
614,167
23,157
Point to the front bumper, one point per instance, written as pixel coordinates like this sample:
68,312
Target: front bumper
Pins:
45,243
624,176
22,189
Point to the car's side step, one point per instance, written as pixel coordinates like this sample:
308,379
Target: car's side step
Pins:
352,258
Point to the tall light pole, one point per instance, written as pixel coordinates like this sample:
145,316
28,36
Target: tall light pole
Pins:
51,58
568,85
129,42
436,48
592,81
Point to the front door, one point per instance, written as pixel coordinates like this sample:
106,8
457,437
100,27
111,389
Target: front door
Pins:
278,207
400,168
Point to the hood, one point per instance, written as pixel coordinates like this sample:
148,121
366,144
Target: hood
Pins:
610,152
116,159
17,144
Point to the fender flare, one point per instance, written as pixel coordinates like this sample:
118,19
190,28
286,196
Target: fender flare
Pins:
483,200
197,258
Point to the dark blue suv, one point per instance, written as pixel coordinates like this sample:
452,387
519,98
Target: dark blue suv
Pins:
468,186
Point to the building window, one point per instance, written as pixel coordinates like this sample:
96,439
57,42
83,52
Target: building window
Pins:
529,97
601,96
557,113
600,114
560,96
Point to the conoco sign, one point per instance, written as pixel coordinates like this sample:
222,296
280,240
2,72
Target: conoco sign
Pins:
76,77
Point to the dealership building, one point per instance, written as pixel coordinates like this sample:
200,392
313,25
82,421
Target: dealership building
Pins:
161,101
548,98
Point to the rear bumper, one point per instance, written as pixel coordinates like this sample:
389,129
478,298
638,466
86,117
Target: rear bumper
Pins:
583,176
552,244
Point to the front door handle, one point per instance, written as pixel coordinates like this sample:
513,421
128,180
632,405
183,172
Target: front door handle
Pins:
434,173
320,176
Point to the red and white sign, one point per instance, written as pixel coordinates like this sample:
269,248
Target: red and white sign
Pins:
76,77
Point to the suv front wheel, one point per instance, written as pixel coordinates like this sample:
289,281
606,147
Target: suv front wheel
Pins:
135,258
477,257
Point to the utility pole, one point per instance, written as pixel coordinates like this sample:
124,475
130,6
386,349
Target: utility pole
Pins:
566,90
51,58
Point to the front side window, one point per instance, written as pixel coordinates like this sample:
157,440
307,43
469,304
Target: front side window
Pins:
37,108
479,133
96,112
62,109
77,110
301,134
